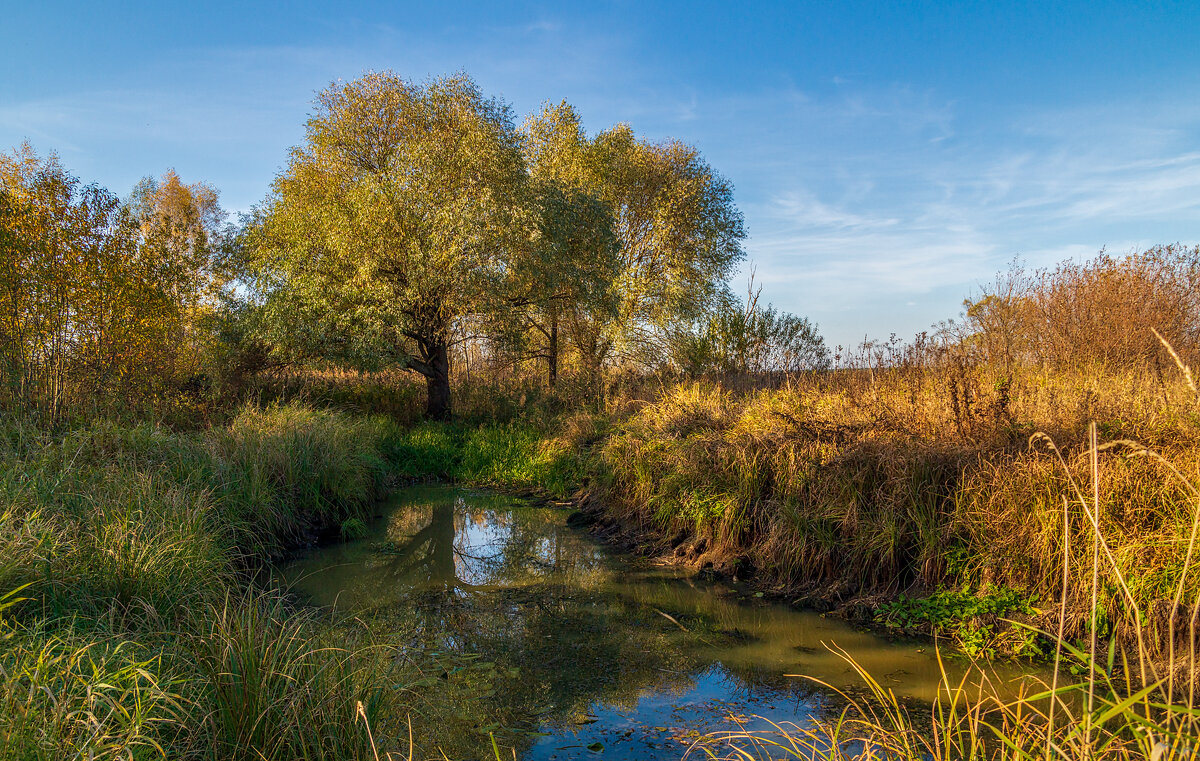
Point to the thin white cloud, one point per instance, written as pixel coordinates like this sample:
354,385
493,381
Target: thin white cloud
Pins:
803,213
901,214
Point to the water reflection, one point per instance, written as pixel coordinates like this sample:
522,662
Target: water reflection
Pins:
588,647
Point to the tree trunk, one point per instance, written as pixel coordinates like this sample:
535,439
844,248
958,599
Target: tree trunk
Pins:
552,351
437,381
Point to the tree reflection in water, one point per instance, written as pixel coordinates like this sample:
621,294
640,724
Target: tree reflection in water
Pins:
572,641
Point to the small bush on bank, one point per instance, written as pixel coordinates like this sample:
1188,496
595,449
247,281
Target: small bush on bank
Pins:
973,618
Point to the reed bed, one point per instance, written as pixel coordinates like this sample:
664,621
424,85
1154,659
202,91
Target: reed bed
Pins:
1117,693
1109,698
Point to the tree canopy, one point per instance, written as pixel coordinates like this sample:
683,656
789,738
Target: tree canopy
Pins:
415,214
678,231
414,227
575,256
400,216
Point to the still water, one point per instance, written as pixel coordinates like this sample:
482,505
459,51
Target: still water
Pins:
598,655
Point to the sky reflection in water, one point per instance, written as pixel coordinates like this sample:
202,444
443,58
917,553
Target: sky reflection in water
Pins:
600,648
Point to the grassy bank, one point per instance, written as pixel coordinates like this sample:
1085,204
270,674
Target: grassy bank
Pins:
130,629
132,626
878,483
521,454
949,521
1035,513
1119,689
931,498
127,552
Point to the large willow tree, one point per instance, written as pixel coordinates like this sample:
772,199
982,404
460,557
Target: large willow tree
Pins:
398,220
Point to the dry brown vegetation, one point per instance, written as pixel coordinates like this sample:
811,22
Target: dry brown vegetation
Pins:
920,469
1099,313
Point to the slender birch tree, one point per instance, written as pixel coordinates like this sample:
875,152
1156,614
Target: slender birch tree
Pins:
92,304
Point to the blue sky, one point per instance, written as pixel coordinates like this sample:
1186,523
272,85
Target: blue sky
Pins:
889,157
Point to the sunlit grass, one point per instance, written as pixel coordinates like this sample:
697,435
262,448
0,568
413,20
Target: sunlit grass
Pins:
876,482
130,630
1116,693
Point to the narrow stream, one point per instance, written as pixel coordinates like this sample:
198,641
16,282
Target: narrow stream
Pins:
600,655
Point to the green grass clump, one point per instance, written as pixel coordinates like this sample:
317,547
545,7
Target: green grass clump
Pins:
70,697
428,450
519,455
283,685
516,454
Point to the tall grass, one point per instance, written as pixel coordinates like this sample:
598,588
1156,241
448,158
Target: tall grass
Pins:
520,455
1116,699
283,685
1118,694
134,633
879,481
63,696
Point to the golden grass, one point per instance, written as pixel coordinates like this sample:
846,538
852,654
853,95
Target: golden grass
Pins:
924,474
1109,698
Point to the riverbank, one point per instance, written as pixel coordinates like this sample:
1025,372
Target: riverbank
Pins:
872,496
130,625
871,486
1039,514
129,551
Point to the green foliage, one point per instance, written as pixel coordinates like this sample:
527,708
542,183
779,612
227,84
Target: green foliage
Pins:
748,338
399,217
519,455
353,528
574,261
972,617
677,230
428,450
